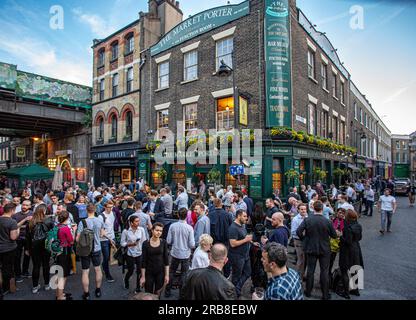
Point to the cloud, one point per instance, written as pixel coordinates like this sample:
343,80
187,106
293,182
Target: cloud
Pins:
395,95
41,58
97,24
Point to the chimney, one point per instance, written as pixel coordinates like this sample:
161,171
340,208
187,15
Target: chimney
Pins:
177,4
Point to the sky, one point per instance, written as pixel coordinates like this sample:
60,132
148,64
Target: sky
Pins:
378,48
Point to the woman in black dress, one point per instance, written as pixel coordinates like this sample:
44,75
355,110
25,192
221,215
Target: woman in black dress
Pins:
155,263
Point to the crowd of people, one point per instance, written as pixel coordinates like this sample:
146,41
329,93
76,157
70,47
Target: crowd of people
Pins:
215,239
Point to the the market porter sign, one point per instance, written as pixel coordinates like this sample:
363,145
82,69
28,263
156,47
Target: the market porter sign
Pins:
199,24
278,63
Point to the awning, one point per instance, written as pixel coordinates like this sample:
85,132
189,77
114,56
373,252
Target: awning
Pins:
354,168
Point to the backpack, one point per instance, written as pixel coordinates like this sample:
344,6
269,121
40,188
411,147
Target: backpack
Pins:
40,232
86,241
52,243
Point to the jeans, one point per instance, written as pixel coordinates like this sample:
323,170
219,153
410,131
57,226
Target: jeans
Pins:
105,249
131,262
386,215
6,263
241,271
369,204
21,247
324,260
40,258
185,263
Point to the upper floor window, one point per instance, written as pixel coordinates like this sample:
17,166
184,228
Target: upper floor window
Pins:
311,64
163,119
129,81
100,127
163,70
355,111
190,65
129,44
325,124
342,97
225,114
334,86
102,89
324,75
115,85
312,119
129,123
114,127
225,49
361,116
114,51
101,57
190,117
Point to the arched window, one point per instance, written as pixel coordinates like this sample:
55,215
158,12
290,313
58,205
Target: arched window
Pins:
114,50
100,134
129,124
129,43
101,57
114,127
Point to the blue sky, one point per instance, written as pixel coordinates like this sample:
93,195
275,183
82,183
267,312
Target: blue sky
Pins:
380,57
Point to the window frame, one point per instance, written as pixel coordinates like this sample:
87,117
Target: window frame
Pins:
129,124
161,76
114,88
114,51
191,119
324,67
230,116
102,89
228,58
314,127
311,67
129,82
186,67
114,127
129,44
334,85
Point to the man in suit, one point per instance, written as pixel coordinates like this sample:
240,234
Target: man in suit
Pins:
249,202
154,207
315,232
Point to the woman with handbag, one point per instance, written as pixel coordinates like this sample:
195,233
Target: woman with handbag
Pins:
338,224
132,239
36,234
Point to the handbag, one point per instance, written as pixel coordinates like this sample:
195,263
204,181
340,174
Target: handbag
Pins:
120,255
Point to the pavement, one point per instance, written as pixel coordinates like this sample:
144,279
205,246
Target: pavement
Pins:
389,266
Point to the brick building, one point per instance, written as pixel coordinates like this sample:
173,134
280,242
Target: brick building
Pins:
400,154
116,100
181,82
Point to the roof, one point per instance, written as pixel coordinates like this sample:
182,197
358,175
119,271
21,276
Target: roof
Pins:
30,172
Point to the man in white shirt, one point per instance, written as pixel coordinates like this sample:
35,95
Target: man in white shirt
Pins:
344,204
182,199
108,218
369,201
334,192
351,193
387,206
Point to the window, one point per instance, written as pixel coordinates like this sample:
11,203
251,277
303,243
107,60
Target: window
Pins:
190,65
342,93
225,49
114,51
405,157
325,124
102,89
115,85
225,114
361,116
129,124
101,57
404,145
312,119
342,133
100,133
114,127
366,120
324,75
355,111
334,85
335,129
311,64
164,75
129,79
398,157
129,44
190,117
163,119
398,145
277,175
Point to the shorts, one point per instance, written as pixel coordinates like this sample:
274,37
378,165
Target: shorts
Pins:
95,257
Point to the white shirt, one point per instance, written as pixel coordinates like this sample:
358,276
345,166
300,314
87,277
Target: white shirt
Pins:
95,194
108,225
130,236
387,203
346,206
200,259
350,191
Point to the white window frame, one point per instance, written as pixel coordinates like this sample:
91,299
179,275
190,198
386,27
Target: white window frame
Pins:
312,125
115,76
102,90
311,67
324,67
194,67
163,76
230,117
228,57
129,79
186,113
334,85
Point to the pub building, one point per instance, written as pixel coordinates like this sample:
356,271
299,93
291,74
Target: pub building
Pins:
286,74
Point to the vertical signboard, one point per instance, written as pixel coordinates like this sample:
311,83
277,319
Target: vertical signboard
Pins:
278,63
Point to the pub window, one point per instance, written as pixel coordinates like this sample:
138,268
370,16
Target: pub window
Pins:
178,174
190,114
156,178
277,175
163,75
225,114
190,65
312,119
225,49
303,173
311,64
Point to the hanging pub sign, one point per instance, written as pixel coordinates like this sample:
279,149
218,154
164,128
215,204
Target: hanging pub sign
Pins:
278,63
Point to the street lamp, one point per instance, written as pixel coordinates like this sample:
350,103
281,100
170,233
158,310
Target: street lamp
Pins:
224,71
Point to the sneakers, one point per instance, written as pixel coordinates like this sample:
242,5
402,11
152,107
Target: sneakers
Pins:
36,289
47,287
110,279
19,279
98,293
382,232
86,296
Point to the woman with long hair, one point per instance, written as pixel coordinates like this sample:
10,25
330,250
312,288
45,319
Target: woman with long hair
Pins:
36,234
155,263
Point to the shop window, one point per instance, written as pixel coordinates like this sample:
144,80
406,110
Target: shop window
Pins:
115,176
225,114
